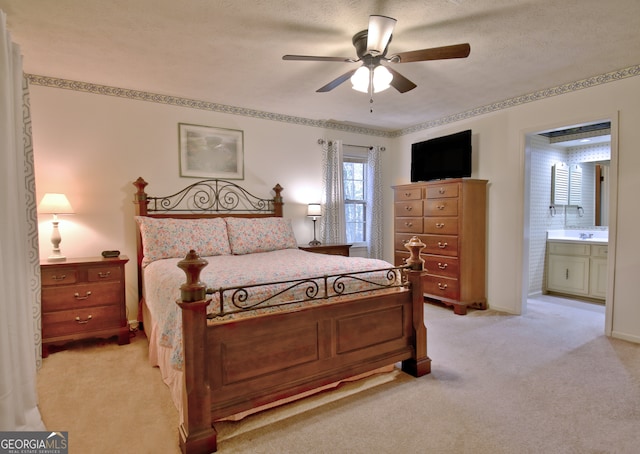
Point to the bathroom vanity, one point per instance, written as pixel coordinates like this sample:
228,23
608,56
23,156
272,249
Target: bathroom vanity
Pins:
577,263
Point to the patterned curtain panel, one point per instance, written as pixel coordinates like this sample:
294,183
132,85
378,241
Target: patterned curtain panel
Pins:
19,279
31,204
332,222
374,207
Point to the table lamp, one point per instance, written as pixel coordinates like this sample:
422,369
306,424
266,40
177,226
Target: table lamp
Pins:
55,204
314,210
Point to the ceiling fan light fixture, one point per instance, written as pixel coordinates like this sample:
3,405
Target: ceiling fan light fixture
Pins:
360,79
382,78
379,33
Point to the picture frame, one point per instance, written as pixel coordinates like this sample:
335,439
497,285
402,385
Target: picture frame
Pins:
210,152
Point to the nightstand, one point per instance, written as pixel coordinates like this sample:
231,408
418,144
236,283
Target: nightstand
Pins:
329,249
83,298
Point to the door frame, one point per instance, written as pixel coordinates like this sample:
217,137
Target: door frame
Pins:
613,207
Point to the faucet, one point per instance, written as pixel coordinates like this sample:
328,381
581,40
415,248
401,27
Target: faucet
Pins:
584,236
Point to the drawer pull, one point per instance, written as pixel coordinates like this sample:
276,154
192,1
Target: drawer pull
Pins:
439,225
103,275
407,194
442,286
408,208
78,297
82,322
442,245
441,207
442,190
442,266
408,224
62,277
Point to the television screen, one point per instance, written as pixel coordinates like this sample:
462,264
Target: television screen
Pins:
442,157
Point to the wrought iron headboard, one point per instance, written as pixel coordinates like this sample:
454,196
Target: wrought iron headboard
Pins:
208,197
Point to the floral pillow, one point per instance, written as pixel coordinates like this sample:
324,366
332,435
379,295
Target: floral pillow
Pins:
249,235
167,238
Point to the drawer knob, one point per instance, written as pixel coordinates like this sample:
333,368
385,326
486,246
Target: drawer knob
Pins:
442,266
82,322
62,277
78,297
103,275
407,194
442,245
442,190
408,207
408,224
442,286
441,207
439,225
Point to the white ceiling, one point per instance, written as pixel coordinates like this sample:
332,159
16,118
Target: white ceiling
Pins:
230,52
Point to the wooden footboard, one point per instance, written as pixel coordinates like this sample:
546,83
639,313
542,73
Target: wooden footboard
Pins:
242,364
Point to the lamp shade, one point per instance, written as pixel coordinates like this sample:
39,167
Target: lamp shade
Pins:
314,209
382,77
53,203
360,79
379,33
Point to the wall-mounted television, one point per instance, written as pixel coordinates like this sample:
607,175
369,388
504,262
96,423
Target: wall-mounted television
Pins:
442,157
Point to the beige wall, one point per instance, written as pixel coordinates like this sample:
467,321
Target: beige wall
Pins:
93,146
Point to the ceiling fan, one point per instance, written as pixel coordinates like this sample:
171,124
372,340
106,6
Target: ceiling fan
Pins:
371,48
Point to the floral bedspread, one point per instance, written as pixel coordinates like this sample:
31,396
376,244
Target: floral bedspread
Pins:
163,278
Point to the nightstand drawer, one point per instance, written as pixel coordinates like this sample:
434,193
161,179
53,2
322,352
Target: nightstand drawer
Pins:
64,323
69,297
59,276
106,273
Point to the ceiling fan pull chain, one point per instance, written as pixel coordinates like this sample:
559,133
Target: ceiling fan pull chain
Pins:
370,90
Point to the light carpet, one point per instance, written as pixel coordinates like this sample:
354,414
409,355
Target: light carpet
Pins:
545,382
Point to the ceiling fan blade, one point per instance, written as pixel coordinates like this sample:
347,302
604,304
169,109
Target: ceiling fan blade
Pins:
313,58
435,53
399,82
335,82
379,34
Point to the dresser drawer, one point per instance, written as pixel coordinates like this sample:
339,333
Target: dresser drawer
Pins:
78,321
441,207
441,226
104,273
441,287
400,239
68,297
440,245
408,194
408,225
408,208
442,190
441,266
59,276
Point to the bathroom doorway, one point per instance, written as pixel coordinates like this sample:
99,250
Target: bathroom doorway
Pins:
591,149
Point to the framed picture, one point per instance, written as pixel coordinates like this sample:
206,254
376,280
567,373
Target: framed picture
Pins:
207,152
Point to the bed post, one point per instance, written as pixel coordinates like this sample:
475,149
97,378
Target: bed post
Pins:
197,434
420,363
141,203
277,201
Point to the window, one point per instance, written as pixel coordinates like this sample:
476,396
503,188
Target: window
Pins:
355,198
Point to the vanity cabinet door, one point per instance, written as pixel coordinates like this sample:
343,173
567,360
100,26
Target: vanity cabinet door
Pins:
568,274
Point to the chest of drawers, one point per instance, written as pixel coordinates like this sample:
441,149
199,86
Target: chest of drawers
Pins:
449,217
83,298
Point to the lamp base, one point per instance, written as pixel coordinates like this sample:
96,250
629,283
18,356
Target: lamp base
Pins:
314,243
56,258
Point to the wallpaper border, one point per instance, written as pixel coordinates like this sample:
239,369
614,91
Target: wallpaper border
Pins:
87,87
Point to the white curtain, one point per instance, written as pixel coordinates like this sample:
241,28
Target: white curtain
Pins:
374,205
332,223
19,273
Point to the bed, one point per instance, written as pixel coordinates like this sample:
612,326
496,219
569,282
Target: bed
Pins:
239,319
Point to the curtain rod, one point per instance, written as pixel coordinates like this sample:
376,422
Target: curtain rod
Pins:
368,147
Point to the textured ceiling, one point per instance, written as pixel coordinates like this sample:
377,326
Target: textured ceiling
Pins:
230,52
